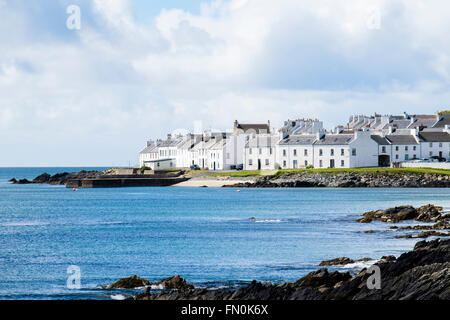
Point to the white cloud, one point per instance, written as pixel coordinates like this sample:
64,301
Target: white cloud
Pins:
115,82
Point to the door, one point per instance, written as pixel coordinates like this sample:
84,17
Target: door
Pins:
440,154
332,163
295,165
259,164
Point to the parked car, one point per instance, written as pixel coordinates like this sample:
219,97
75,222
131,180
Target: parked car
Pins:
240,167
439,159
195,167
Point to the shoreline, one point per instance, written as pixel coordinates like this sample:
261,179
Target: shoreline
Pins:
419,274
241,179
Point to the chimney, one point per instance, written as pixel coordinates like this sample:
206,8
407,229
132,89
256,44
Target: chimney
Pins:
320,135
169,136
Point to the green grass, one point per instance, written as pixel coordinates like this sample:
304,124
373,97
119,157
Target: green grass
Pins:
281,172
236,174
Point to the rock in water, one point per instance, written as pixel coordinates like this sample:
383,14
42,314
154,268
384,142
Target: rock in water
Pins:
427,213
175,282
130,283
337,261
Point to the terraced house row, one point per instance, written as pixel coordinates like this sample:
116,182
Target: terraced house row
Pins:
365,141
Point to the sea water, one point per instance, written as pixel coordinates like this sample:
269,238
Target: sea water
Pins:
203,234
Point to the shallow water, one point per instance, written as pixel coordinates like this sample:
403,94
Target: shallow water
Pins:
203,234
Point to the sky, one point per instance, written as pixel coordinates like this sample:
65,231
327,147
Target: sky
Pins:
139,69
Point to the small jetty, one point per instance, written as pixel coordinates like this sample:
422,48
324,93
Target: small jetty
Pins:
128,178
111,178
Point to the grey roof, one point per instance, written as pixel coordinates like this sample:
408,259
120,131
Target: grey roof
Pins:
434,136
254,127
170,143
444,119
265,141
335,139
401,139
299,140
149,149
428,123
380,140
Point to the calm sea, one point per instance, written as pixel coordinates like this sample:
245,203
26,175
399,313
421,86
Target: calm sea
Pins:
203,234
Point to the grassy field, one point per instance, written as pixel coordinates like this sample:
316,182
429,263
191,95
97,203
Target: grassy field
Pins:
334,171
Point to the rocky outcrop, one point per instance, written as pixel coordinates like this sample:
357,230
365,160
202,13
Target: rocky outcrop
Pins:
175,282
59,178
130,283
421,274
426,213
350,180
341,261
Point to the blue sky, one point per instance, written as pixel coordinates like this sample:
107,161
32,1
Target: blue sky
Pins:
141,69
150,8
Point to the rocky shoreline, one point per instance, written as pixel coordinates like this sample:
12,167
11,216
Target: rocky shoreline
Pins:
349,180
421,274
60,178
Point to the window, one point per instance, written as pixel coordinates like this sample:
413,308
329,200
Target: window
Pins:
270,150
295,152
320,163
406,148
306,152
250,162
284,163
342,152
284,152
250,151
383,149
260,151
431,144
320,152
431,153
414,148
306,163
267,162
396,156
342,163
332,152
353,152
396,148
440,144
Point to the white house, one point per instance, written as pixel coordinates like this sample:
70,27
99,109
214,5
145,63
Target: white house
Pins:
434,144
260,152
296,151
404,147
346,151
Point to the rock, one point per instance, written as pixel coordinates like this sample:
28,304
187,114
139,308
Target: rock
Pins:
307,178
336,261
388,258
130,283
175,282
427,213
43,178
426,234
421,274
13,180
321,279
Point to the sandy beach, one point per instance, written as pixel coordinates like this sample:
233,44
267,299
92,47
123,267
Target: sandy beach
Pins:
213,182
